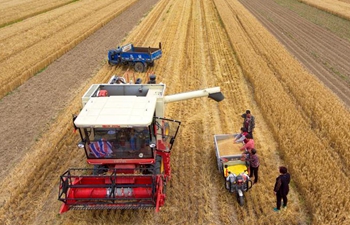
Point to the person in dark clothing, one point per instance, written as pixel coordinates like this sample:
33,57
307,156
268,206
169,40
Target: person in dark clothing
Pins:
248,122
254,165
282,188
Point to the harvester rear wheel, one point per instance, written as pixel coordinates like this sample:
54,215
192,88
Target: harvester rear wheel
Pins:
139,67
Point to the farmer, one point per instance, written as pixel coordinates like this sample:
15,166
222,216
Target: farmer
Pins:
282,188
249,145
253,165
249,122
230,179
241,136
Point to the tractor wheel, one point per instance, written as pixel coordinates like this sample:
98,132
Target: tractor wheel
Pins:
139,67
151,64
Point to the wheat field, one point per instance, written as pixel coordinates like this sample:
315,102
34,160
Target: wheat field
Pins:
205,44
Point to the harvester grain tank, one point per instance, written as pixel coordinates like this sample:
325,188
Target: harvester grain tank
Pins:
128,142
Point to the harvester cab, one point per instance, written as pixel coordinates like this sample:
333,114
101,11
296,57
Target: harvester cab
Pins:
128,142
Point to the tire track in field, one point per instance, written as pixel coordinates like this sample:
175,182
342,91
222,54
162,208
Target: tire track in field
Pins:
222,72
185,183
172,75
195,121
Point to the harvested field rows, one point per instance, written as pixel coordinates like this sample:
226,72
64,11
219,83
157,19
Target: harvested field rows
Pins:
300,85
17,10
33,44
208,43
328,58
283,91
337,7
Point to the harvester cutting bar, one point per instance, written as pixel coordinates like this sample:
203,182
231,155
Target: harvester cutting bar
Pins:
112,191
121,206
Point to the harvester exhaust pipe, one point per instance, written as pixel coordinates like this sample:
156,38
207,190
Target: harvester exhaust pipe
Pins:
213,93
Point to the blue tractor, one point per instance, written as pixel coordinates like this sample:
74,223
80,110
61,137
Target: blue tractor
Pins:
138,57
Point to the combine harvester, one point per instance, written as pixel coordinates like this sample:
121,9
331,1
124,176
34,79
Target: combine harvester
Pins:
128,141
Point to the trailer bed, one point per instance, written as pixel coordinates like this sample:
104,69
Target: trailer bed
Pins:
227,150
227,147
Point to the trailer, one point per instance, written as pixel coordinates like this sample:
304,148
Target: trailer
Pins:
232,165
138,57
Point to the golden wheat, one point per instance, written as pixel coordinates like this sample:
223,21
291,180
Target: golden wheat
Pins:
56,35
339,8
206,43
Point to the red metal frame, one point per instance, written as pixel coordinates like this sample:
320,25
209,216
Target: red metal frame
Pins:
121,189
